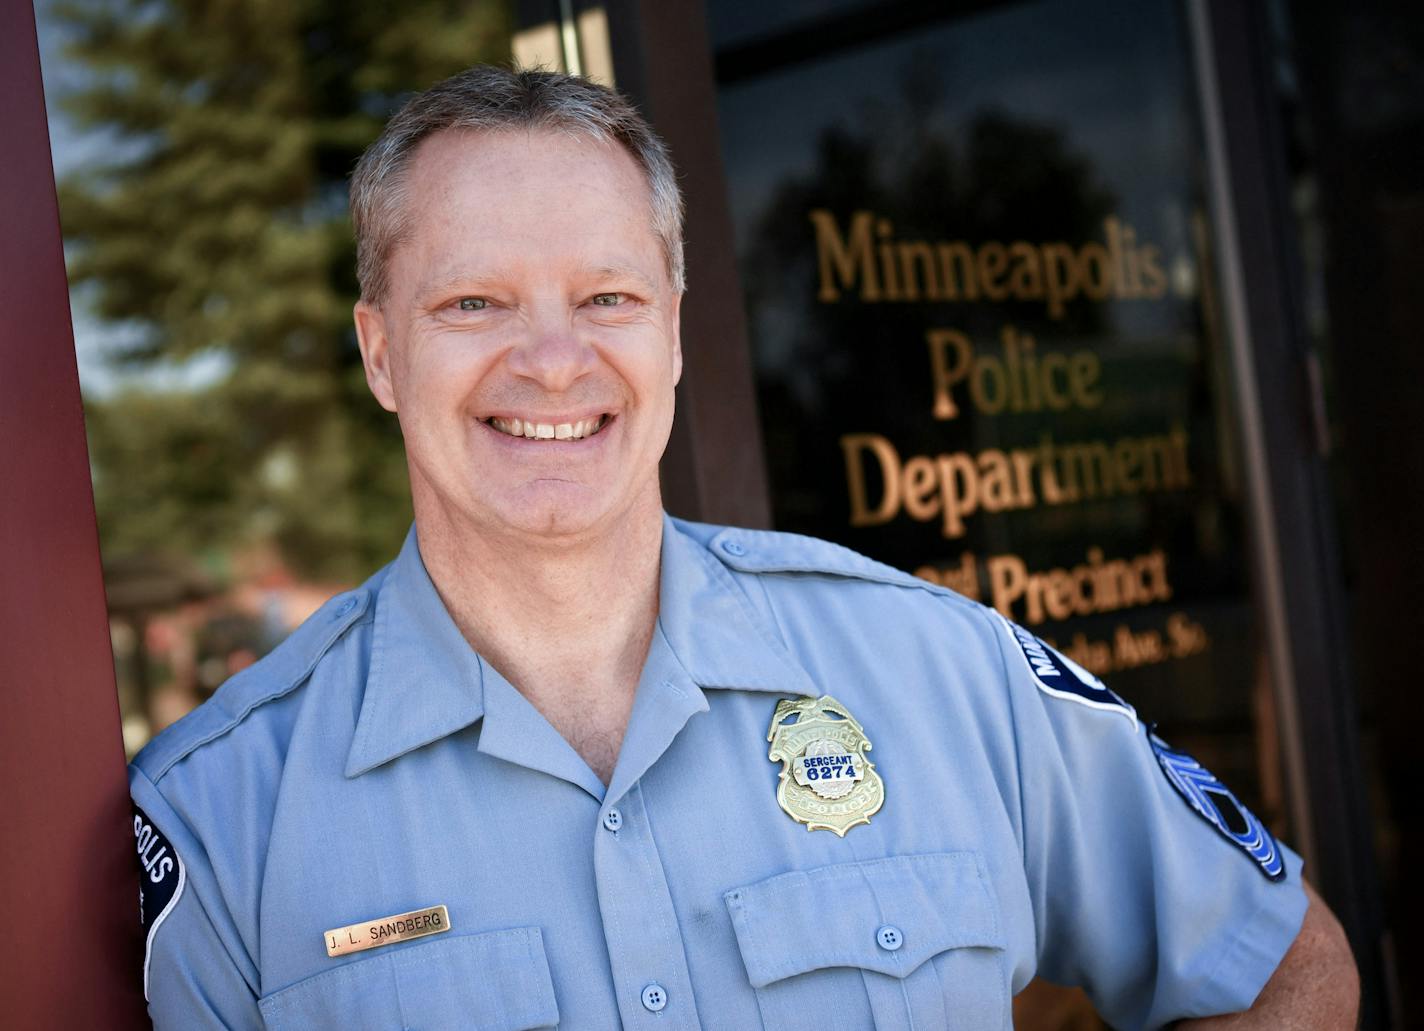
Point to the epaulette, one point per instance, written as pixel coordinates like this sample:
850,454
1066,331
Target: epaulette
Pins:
281,671
771,551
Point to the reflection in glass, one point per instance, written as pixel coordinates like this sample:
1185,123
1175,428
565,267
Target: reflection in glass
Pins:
978,282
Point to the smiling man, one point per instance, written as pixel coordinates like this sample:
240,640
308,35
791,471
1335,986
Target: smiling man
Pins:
569,761
522,321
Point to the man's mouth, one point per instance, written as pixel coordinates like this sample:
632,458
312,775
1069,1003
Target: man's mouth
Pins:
549,430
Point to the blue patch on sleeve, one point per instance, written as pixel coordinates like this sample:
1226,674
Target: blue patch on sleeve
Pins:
1061,677
1213,802
161,879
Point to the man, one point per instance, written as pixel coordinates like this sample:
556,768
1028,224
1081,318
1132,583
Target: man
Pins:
521,777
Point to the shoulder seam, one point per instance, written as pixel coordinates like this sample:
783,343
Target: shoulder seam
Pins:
831,559
283,686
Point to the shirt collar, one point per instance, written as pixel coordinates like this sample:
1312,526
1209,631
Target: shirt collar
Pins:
718,635
425,682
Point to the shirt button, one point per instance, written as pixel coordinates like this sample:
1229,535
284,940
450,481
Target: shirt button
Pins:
654,998
733,548
345,607
612,820
889,938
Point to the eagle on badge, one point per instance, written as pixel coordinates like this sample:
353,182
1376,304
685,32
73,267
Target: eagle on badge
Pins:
826,781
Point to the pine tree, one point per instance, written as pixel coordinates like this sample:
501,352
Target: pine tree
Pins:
218,226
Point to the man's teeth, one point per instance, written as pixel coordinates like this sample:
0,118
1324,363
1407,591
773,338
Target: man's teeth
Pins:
549,431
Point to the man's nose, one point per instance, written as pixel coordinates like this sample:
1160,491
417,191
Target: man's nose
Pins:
551,353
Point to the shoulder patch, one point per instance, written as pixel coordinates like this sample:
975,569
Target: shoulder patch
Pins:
1213,802
161,880
1059,676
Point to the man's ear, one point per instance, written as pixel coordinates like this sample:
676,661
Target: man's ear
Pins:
375,352
676,339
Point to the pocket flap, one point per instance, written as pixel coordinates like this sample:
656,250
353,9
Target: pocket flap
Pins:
499,979
832,916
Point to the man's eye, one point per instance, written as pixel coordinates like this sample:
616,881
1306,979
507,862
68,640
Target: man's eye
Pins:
472,303
608,300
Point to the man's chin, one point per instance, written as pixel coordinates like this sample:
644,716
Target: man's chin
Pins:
545,510
553,512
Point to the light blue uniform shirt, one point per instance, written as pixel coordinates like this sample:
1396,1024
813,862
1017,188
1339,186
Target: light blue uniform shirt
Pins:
374,764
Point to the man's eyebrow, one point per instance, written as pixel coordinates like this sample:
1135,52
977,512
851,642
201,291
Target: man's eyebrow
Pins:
473,280
623,271
463,279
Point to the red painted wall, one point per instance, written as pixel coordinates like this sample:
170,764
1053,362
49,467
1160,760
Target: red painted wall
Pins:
69,953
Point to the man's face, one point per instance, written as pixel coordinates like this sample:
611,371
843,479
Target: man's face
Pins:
529,338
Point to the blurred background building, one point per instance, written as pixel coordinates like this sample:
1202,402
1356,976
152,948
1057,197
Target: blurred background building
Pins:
1101,312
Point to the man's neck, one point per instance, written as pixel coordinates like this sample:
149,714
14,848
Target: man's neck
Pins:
568,624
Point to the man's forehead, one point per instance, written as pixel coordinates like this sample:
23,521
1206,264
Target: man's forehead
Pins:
537,176
468,157
495,208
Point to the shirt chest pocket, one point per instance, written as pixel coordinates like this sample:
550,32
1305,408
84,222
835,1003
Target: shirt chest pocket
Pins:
498,980
903,942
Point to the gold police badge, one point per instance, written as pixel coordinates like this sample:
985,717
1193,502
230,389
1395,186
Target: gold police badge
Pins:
827,783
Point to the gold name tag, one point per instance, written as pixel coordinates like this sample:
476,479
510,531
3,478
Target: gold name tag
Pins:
372,934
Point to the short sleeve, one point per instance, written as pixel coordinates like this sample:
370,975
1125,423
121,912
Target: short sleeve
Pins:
196,972
1152,887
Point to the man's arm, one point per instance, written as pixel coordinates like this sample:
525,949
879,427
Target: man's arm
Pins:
1316,986
197,972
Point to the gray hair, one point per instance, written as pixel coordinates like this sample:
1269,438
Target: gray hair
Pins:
486,98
